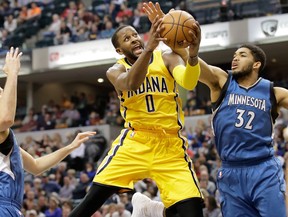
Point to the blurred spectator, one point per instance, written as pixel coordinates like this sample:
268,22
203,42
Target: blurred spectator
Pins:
111,209
29,123
6,7
50,185
121,211
63,36
42,203
4,35
71,116
34,11
53,210
10,23
67,189
82,106
76,158
95,147
135,19
113,118
48,122
81,7
124,14
71,173
66,208
81,35
108,31
192,104
90,170
93,32
54,27
204,177
30,201
37,187
124,199
71,10
81,189
23,14
75,27
94,119
31,213
211,208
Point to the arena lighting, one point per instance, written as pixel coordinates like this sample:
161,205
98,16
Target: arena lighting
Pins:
100,80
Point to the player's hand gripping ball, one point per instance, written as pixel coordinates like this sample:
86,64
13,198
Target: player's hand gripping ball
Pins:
177,24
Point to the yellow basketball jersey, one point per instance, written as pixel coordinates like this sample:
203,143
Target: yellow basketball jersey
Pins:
156,104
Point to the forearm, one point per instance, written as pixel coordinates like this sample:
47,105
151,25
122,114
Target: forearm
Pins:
138,70
39,165
183,53
188,76
8,102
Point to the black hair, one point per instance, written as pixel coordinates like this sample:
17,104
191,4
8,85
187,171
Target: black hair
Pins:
258,54
114,38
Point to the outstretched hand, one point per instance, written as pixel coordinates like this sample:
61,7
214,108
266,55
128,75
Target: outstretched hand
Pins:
81,138
12,61
154,34
152,10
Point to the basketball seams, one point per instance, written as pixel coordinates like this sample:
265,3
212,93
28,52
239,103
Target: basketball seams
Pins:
184,26
176,33
173,19
177,26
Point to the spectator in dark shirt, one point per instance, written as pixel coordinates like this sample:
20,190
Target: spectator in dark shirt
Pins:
81,189
63,37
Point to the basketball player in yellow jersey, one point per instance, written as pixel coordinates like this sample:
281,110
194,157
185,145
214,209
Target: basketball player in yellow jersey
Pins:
151,145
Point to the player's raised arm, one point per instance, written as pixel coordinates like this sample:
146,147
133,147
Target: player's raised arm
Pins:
8,95
132,46
212,76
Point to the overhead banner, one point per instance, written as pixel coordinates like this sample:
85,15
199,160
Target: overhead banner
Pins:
268,28
76,53
215,34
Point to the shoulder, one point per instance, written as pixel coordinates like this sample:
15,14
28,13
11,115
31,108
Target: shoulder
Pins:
281,94
116,68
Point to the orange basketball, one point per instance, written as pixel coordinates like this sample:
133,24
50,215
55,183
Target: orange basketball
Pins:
177,25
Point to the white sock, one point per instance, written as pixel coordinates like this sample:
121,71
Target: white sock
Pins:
156,209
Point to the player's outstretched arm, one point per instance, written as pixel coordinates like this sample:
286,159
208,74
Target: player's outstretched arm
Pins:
212,76
186,73
8,95
131,80
39,165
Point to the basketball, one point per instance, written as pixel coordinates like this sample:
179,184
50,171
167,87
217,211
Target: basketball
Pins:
177,25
